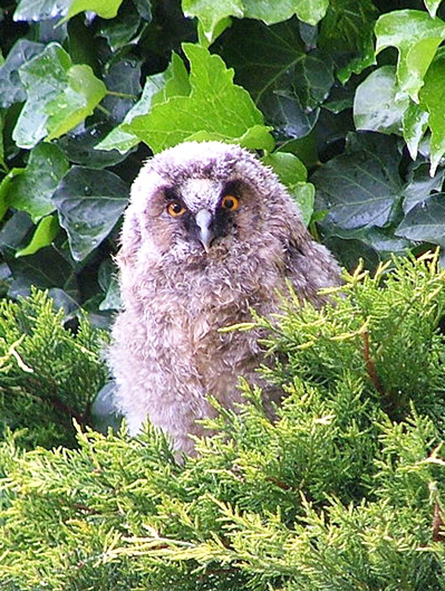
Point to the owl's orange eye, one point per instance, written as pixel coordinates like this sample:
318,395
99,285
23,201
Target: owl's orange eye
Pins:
175,209
230,202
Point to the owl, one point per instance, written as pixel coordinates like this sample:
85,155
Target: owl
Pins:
210,234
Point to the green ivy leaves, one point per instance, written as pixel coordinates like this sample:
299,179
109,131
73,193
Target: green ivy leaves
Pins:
411,94
89,206
59,96
370,206
425,221
378,105
212,13
432,98
11,88
95,85
31,191
158,89
417,37
104,8
46,230
361,187
205,105
432,6
34,10
293,175
338,33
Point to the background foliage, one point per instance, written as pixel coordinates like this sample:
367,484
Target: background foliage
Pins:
348,91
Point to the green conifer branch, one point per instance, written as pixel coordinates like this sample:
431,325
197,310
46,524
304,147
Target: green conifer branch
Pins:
333,494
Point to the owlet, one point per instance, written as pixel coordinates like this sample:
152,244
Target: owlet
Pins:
209,235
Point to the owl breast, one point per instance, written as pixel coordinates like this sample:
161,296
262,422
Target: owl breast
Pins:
179,353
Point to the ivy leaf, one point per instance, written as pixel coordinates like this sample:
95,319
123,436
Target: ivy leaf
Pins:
89,206
293,174
60,96
83,93
4,189
378,104
2,148
112,299
123,84
360,187
211,13
80,146
144,9
14,231
414,123
109,284
158,89
264,58
121,31
45,269
206,38
383,241
104,414
285,82
35,10
432,6
425,221
47,229
339,35
287,166
313,79
11,88
288,117
416,36
304,195
420,185
216,107
31,191
274,11
432,98
104,8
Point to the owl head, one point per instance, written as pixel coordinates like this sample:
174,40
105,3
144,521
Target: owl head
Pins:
202,201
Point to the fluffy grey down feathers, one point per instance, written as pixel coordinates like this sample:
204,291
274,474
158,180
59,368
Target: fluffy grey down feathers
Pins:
184,274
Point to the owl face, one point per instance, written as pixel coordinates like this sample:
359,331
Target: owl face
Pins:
202,212
201,200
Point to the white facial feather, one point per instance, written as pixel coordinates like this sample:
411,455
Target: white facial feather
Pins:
201,194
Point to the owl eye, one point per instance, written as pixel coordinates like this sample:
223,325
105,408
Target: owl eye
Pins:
175,209
230,202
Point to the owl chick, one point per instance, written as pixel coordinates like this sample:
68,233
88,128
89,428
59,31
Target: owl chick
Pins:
210,233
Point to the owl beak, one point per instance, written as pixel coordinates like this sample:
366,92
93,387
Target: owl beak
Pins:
203,220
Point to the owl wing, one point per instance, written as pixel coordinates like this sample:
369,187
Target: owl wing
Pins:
309,265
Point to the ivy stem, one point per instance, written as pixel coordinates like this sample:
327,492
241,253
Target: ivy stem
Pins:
122,94
104,110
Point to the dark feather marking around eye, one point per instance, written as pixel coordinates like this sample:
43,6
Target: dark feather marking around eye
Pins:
233,187
171,194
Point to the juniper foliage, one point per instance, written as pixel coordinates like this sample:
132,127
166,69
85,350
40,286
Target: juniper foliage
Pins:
345,490
48,373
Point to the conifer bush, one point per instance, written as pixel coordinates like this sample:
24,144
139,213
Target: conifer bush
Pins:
48,374
343,491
